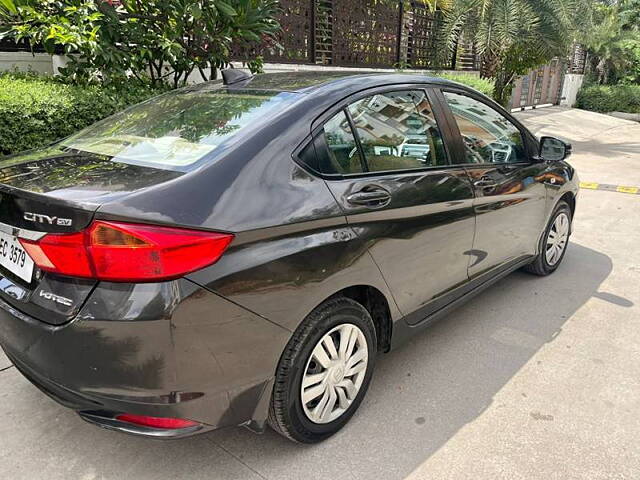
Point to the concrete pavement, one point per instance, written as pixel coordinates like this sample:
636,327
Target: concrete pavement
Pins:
537,378
606,149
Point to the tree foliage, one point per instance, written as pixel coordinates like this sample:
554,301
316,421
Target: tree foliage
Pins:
614,42
154,40
514,36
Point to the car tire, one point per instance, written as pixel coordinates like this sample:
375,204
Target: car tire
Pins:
303,418
558,230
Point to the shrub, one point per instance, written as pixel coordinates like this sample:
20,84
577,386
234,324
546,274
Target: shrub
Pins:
605,98
37,110
483,85
107,39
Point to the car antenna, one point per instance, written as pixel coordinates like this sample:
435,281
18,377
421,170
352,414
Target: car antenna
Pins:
234,75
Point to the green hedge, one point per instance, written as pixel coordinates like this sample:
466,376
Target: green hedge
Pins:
483,85
37,110
615,98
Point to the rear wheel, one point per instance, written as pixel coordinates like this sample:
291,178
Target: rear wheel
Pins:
554,242
324,372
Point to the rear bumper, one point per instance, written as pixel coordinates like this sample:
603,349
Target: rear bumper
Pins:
102,411
173,350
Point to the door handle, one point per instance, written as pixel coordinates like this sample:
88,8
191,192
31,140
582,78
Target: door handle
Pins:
375,197
485,182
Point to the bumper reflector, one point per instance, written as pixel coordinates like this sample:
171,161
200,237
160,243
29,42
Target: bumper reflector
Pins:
156,422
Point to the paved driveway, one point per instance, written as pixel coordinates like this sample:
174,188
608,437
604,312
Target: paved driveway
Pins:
538,378
607,149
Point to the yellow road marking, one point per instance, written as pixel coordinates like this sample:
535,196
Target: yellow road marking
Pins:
627,189
610,188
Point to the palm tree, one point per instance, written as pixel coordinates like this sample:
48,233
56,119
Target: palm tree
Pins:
514,36
614,42
434,5
603,41
630,15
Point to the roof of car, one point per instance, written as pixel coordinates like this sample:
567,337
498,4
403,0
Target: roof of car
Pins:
306,82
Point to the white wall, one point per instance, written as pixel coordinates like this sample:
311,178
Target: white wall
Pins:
570,87
25,61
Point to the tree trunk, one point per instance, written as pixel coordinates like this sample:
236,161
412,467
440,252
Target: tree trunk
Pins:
151,73
607,73
187,72
454,54
176,78
489,64
600,68
202,73
503,87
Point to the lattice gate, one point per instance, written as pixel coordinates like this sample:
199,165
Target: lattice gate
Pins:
366,33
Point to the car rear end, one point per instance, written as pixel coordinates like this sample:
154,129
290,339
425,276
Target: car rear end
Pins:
87,309
98,310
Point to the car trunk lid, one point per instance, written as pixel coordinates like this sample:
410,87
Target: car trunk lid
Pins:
55,192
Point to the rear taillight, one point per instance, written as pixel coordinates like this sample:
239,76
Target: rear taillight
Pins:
127,252
156,422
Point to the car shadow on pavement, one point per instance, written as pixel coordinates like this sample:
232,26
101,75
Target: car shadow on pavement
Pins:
421,395
605,148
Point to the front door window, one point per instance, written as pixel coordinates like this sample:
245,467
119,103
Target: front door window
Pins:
488,136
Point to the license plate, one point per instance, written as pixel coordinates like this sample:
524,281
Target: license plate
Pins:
14,258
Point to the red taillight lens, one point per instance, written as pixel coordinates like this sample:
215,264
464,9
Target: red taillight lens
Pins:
65,254
156,422
126,252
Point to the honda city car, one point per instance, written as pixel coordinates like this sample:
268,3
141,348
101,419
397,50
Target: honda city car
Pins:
241,251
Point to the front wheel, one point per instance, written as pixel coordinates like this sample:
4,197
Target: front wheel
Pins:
554,242
324,372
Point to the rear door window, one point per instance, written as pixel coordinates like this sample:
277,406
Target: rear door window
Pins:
343,154
398,131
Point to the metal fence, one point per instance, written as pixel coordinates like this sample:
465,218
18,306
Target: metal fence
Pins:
361,33
373,33
364,33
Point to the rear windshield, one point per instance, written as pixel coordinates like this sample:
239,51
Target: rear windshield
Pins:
176,130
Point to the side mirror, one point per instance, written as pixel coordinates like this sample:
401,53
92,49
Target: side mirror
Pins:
553,149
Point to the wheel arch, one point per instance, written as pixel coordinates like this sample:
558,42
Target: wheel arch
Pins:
570,198
377,304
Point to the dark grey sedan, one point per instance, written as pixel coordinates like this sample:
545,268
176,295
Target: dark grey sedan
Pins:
239,252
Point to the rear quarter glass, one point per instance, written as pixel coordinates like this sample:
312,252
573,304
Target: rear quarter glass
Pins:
179,130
